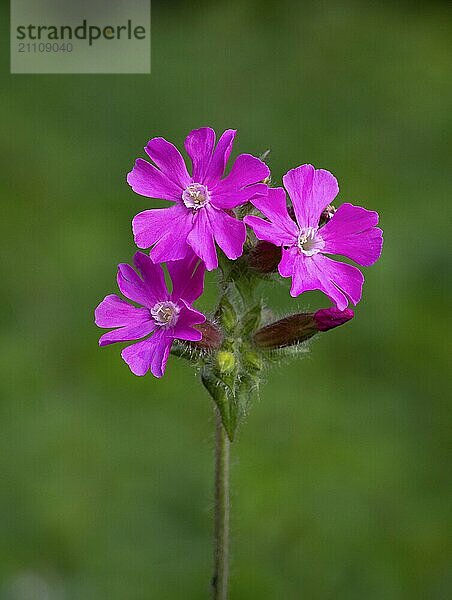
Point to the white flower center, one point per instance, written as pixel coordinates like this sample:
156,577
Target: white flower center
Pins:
165,313
196,196
309,242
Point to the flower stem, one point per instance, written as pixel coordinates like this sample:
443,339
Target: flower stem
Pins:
221,525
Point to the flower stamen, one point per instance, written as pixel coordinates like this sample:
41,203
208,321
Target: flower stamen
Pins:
309,242
165,313
196,196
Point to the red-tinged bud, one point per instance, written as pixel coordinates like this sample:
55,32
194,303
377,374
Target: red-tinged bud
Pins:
264,257
299,328
327,214
286,332
329,318
211,336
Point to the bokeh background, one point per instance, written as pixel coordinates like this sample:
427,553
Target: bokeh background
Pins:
340,473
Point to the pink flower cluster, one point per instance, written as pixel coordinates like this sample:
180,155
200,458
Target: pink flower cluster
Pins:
201,217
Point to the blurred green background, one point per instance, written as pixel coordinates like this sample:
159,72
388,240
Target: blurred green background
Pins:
340,474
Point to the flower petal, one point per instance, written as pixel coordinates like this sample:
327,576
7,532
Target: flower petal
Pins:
246,170
173,245
147,226
116,312
351,232
201,240
125,334
229,232
190,316
183,330
281,229
232,198
167,228
147,180
188,334
149,354
310,191
335,279
273,205
220,157
169,160
286,267
153,276
199,145
187,276
264,230
133,287
345,277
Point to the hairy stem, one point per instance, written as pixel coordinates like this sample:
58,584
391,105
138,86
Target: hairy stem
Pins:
221,525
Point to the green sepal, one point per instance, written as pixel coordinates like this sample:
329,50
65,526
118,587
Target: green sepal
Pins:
247,387
224,399
252,361
246,287
287,352
251,320
227,315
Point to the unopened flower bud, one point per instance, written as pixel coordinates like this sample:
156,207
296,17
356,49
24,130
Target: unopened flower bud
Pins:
225,361
264,257
286,332
299,328
211,336
329,318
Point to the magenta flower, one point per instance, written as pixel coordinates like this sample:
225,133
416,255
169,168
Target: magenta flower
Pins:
166,315
351,232
203,201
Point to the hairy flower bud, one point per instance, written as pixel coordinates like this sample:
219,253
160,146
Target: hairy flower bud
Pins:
299,328
264,257
286,332
225,361
211,336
